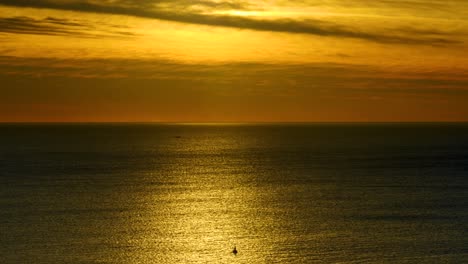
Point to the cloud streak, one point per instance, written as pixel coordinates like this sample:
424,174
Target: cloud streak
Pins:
53,26
258,76
39,88
186,12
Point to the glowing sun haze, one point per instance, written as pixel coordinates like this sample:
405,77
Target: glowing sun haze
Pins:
233,61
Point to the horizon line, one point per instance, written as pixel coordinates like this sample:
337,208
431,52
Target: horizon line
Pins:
225,122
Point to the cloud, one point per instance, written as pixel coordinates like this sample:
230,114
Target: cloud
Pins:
52,26
26,25
131,7
187,12
278,79
174,91
409,5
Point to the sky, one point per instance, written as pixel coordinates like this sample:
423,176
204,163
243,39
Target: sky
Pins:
233,61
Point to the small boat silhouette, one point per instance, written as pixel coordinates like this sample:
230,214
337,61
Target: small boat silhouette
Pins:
234,251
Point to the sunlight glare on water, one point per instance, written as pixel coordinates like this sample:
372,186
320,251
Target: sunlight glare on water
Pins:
208,205
189,194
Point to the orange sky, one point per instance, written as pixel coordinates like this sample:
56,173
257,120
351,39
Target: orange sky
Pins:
233,61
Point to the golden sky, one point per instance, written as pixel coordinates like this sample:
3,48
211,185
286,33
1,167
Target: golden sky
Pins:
233,61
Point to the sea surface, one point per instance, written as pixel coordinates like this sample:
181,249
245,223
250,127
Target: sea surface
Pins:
279,193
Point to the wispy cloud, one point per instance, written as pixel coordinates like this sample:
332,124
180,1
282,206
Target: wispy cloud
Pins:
198,13
42,88
54,26
26,25
415,7
259,76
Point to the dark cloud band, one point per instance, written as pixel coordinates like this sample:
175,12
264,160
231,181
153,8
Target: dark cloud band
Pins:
183,11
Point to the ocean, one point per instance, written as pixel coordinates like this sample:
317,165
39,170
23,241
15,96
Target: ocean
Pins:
190,193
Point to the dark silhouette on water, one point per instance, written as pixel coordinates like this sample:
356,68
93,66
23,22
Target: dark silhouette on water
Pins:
234,251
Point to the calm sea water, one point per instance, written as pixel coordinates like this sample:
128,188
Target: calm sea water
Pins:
323,193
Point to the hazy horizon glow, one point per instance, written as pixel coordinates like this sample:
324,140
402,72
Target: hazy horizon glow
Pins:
233,61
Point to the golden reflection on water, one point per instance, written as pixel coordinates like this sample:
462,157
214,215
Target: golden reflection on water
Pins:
189,194
208,207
